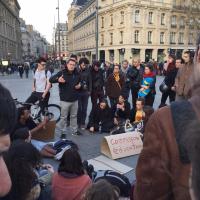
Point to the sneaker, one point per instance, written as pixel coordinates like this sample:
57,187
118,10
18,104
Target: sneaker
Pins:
82,127
59,155
77,133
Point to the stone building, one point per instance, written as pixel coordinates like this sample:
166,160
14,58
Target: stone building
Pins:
82,28
142,29
10,35
62,28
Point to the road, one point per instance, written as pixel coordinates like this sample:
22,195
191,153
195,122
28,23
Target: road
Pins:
89,145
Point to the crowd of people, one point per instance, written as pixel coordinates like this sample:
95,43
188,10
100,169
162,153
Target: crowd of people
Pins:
168,166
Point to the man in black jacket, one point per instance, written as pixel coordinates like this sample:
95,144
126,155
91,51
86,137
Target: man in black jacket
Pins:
97,84
85,91
69,86
134,78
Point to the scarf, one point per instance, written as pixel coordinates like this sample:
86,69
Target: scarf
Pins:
117,78
150,75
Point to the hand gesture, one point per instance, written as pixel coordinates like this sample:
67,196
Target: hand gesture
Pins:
61,80
78,86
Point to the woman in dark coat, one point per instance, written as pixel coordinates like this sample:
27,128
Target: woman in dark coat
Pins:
101,117
170,72
114,85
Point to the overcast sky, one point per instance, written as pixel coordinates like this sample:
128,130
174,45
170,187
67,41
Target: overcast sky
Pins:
41,14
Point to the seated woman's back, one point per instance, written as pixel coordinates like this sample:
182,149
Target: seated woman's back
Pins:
70,182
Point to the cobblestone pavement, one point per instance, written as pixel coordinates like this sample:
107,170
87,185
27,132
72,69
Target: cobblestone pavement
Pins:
89,145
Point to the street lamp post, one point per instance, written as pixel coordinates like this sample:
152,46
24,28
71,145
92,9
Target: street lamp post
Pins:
97,30
59,48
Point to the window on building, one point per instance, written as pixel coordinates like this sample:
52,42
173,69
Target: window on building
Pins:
180,38
162,19
191,37
162,38
150,37
122,37
102,22
102,39
137,16
172,38
136,36
111,20
150,17
182,22
122,17
173,21
111,38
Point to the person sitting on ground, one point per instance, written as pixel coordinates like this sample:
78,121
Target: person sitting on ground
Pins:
121,111
70,182
25,120
102,190
101,117
138,115
24,134
8,117
23,160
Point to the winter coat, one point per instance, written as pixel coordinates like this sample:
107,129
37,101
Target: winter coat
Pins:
67,90
160,172
114,88
85,79
97,80
133,76
182,81
123,114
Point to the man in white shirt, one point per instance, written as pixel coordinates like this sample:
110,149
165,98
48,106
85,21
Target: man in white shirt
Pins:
41,85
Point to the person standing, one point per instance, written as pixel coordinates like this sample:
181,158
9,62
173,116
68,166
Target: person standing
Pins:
26,69
114,85
69,86
97,83
124,69
135,79
85,91
41,85
170,71
21,70
182,82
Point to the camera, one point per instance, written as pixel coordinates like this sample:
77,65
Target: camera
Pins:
84,85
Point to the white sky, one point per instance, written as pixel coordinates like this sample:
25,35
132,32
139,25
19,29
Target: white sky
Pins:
41,14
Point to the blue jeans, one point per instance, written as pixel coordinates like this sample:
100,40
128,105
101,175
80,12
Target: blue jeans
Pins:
82,107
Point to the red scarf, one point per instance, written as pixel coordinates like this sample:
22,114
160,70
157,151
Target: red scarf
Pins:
151,75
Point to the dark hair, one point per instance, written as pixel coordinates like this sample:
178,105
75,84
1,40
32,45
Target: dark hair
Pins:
191,55
73,56
20,134
20,112
125,61
83,60
150,66
21,160
71,60
102,190
8,112
103,101
96,63
142,100
172,56
41,59
71,162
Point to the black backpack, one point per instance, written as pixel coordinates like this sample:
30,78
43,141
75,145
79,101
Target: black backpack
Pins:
115,179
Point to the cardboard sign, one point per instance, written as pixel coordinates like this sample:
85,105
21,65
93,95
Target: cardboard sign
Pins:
47,133
122,145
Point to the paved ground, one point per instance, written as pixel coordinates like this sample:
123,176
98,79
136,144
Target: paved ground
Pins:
89,144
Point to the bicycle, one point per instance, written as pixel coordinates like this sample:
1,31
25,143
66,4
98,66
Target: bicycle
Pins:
52,111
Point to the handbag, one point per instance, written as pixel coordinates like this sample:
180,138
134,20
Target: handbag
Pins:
163,87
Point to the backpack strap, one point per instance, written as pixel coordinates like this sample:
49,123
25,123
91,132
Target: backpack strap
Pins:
183,115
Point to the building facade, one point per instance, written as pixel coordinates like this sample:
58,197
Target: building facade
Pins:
62,29
132,29
82,28
10,35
